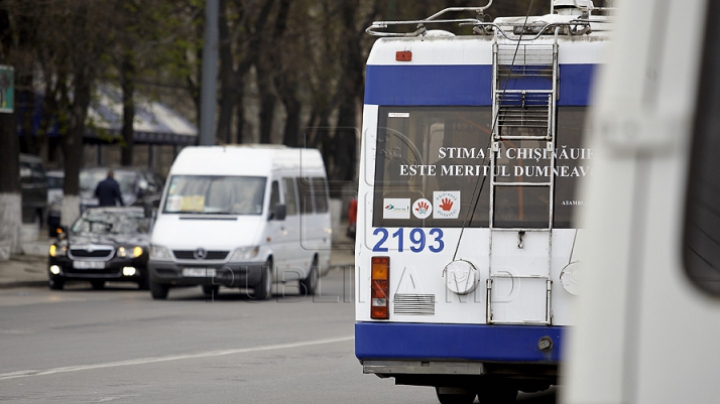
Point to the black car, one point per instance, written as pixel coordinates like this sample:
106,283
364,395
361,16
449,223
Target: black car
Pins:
104,244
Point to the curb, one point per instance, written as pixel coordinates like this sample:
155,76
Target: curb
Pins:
23,284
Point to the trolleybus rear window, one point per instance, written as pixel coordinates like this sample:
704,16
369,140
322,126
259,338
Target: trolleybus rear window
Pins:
433,162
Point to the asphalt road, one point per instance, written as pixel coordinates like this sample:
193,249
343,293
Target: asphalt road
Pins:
118,345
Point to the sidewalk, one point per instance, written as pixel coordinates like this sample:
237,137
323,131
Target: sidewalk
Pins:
30,269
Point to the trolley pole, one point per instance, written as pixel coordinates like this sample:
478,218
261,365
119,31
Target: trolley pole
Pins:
208,96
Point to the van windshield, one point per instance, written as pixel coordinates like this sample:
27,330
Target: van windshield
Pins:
218,195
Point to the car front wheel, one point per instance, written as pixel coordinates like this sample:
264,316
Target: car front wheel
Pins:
158,291
56,284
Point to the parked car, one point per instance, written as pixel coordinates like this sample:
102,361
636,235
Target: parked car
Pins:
104,244
139,186
34,188
55,180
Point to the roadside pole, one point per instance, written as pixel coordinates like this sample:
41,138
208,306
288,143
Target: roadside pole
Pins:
208,95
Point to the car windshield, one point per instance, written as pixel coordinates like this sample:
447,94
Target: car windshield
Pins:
111,222
89,180
228,195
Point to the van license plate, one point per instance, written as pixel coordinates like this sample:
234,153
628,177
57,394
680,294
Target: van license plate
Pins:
198,272
89,264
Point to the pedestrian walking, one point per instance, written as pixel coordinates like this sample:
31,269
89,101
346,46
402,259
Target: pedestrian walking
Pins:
108,191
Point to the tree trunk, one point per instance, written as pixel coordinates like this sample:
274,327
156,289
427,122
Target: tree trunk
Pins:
26,95
10,197
127,72
322,139
267,106
345,140
73,146
240,111
292,123
344,148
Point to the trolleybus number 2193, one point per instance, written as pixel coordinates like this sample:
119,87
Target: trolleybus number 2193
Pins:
418,240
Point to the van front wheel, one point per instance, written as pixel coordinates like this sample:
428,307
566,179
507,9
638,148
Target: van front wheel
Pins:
308,286
263,289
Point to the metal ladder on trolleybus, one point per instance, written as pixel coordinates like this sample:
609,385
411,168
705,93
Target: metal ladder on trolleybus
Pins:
519,287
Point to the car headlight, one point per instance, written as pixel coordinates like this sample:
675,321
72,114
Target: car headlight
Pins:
159,253
244,253
129,253
56,251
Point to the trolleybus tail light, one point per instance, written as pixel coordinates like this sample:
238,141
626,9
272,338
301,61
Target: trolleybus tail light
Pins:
380,288
403,56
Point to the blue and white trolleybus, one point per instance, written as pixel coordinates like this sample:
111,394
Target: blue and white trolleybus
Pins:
471,154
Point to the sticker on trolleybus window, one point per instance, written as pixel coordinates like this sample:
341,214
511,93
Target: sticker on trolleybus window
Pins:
446,204
422,208
396,208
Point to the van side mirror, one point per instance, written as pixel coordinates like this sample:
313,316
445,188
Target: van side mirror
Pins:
279,213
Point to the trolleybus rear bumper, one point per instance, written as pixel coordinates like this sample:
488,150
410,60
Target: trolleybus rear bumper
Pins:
389,349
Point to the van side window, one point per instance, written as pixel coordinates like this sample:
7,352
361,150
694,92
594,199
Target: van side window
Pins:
321,196
274,195
290,196
305,194
701,241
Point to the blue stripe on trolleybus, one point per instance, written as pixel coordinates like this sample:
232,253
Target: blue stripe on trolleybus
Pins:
481,342
461,85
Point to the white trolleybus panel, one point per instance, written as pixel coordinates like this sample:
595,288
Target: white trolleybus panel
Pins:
472,151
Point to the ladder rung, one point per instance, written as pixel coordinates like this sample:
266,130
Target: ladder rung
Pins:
522,184
529,112
516,230
506,275
514,91
501,138
523,123
518,120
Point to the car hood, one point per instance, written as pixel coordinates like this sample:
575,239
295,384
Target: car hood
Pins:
138,239
191,232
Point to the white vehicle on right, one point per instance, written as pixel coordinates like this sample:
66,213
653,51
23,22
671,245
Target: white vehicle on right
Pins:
648,319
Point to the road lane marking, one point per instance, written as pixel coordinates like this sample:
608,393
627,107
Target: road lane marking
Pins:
157,359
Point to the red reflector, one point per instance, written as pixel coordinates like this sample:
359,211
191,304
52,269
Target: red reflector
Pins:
380,288
403,56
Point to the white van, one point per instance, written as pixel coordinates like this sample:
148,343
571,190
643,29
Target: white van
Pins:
242,216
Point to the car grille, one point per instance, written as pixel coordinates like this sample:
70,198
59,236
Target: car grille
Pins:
90,272
105,252
209,255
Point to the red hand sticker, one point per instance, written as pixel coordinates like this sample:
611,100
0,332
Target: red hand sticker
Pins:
422,206
446,204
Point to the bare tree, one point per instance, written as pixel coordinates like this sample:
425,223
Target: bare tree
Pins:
14,44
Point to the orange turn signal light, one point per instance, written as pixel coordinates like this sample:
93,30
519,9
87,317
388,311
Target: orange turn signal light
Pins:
380,288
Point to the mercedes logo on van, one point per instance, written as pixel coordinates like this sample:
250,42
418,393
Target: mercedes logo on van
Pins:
200,254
